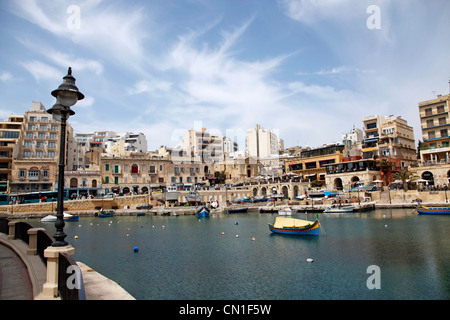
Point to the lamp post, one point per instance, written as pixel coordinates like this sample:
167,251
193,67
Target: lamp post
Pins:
66,95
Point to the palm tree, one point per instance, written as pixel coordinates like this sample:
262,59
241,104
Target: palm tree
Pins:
405,176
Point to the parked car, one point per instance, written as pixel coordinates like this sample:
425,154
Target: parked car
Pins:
144,206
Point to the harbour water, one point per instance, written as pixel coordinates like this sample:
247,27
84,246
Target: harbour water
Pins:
236,257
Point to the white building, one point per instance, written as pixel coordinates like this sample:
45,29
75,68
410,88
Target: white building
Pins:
262,143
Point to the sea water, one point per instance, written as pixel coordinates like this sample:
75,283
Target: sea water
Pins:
381,254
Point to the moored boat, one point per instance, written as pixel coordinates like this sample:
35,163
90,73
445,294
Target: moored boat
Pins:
202,212
104,214
339,209
240,210
194,197
67,217
286,211
434,210
291,226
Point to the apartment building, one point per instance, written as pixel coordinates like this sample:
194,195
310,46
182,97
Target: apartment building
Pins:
263,143
10,133
389,137
435,125
35,164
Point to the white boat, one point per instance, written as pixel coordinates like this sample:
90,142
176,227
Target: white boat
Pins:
52,218
341,209
286,211
172,193
193,197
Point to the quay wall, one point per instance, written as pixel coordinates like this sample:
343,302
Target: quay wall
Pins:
131,202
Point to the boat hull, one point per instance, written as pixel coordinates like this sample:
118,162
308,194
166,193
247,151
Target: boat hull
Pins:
203,212
434,211
339,210
311,230
105,214
243,210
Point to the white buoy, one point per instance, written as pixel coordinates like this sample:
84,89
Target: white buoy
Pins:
310,260
237,236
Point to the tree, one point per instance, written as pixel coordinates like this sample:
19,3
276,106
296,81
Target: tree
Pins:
385,166
405,176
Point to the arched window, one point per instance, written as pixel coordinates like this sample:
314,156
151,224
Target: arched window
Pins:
73,183
134,168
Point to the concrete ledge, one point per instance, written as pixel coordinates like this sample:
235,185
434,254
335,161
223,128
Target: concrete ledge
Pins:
98,287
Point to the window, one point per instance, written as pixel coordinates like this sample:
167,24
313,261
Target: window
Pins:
371,125
31,127
27,154
444,133
41,135
160,167
125,167
39,154
45,174
44,119
116,180
428,112
106,166
106,179
27,144
134,168
43,127
440,109
431,135
10,135
32,119
52,135
33,174
176,170
22,173
51,145
54,128
116,168
29,135
39,144
51,154
430,123
442,121
152,168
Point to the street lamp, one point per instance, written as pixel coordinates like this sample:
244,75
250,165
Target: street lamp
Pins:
66,96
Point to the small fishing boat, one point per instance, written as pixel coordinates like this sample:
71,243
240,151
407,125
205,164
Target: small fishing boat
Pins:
194,197
339,209
433,210
291,226
268,210
286,211
140,214
104,214
67,217
240,210
202,212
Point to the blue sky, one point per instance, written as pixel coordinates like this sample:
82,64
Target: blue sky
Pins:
310,69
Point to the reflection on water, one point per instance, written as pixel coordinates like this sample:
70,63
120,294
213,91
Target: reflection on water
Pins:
237,257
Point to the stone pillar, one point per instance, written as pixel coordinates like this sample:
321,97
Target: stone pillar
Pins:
50,288
32,243
12,230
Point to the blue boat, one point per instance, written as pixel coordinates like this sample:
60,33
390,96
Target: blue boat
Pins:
105,214
202,212
440,211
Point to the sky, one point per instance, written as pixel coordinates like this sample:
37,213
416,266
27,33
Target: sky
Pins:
309,69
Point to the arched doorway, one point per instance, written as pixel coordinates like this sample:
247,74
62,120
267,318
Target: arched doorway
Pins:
285,192
354,180
295,192
126,190
427,175
263,191
94,183
338,184
73,183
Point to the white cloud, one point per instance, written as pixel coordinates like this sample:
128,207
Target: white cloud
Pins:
311,11
5,76
40,70
150,86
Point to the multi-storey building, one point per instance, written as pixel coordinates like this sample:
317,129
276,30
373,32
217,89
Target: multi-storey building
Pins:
262,143
141,172
435,124
311,164
389,137
204,147
35,164
10,133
